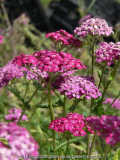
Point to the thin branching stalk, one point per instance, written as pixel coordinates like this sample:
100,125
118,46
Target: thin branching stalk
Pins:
112,102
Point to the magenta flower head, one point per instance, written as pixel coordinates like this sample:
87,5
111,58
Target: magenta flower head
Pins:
93,27
64,38
108,126
19,142
9,72
1,39
108,52
73,123
15,114
50,61
77,86
116,104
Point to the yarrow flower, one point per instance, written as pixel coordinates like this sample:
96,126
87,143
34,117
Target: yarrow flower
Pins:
84,18
73,122
1,39
77,86
50,61
32,75
93,27
108,52
9,72
64,37
116,104
20,142
15,114
108,126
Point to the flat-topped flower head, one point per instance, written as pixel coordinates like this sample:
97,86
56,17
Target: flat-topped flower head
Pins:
19,142
77,86
94,27
9,72
24,60
64,38
50,61
108,52
116,104
108,126
15,114
73,123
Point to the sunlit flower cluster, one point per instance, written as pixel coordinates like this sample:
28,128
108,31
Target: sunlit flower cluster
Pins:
93,27
107,52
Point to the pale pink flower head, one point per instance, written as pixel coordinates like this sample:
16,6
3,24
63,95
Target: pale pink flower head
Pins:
10,71
93,27
116,104
108,126
108,52
77,86
64,38
73,123
19,142
15,114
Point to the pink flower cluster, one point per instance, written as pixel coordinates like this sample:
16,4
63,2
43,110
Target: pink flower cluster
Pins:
64,37
20,142
116,104
32,75
108,126
93,27
1,39
9,72
24,60
84,18
77,86
73,122
50,61
15,114
108,52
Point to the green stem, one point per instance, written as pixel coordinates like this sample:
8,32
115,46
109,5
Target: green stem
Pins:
112,103
26,89
93,57
109,82
106,152
31,117
92,146
25,108
67,146
32,95
101,152
88,141
21,116
57,95
51,109
102,75
64,112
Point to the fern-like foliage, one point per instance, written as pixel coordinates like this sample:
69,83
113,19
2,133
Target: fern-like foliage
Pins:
63,143
117,155
98,109
16,92
38,86
56,104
